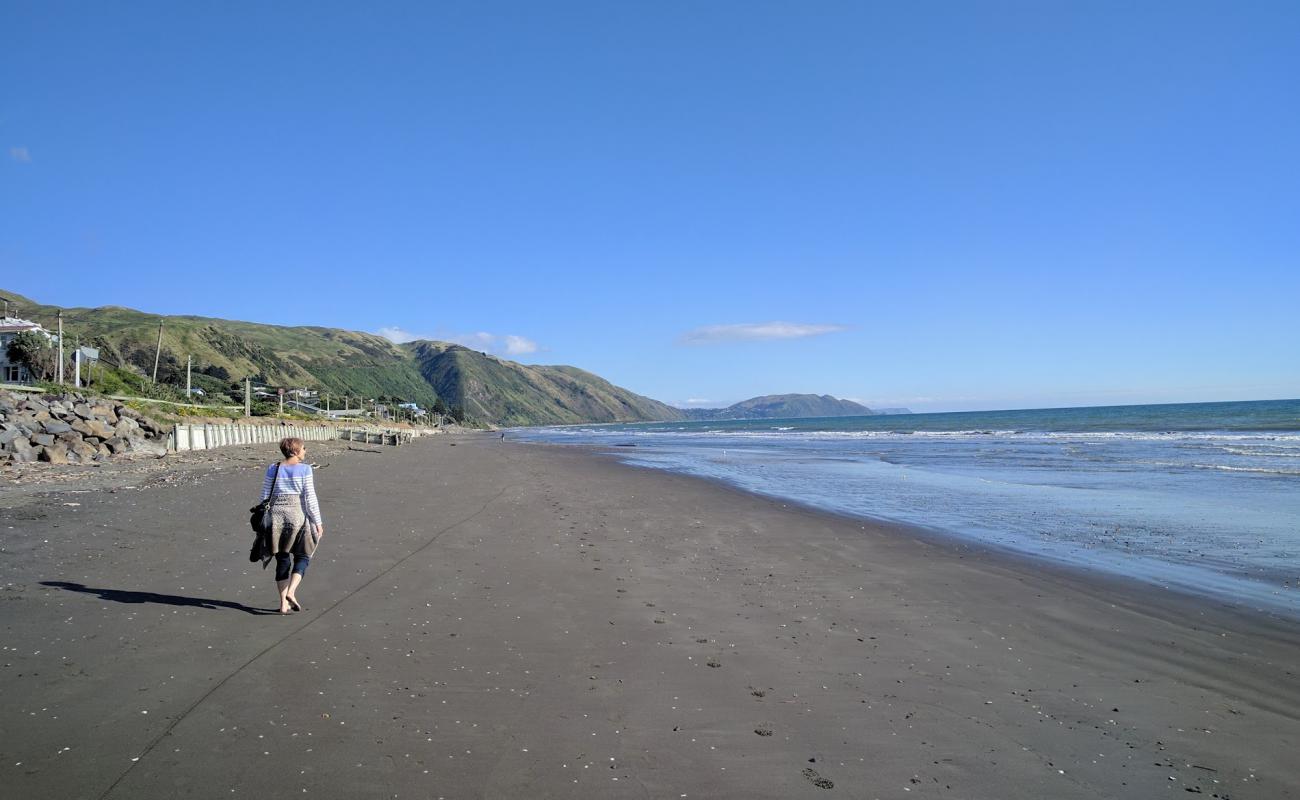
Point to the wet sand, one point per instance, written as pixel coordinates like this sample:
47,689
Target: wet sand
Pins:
489,619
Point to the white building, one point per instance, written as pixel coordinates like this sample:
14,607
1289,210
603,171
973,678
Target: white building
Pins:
10,327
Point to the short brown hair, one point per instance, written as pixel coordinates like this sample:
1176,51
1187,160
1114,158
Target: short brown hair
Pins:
290,445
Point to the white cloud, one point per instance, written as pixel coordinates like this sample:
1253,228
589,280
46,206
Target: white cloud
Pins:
518,346
698,401
397,335
20,154
509,344
757,331
474,341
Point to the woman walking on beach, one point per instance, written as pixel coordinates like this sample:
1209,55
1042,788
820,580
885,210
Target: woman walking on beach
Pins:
295,521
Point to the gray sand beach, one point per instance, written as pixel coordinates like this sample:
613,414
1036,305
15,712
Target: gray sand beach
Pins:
497,620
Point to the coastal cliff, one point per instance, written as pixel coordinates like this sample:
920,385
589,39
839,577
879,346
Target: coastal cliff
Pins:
341,363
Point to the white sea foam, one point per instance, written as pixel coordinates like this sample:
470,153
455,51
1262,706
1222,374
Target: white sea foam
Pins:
1285,443
1260,470
1276,453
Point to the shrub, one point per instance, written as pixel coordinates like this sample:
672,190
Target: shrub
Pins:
36,352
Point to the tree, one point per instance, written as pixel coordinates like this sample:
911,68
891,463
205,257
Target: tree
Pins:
458,414
170,369
34,351
439,407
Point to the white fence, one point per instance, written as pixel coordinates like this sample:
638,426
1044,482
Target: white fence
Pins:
206,437
369,436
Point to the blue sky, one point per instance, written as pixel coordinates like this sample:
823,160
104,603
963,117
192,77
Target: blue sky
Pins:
940,205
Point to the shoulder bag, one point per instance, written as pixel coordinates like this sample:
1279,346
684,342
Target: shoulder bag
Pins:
257,520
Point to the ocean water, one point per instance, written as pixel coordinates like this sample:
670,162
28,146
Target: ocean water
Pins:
1201,497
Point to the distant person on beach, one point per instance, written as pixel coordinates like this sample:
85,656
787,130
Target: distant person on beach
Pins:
296,526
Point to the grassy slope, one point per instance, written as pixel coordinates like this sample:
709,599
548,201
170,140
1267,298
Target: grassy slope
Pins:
519,394
359,364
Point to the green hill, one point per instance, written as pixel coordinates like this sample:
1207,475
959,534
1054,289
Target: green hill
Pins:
785,406
508,393
491,390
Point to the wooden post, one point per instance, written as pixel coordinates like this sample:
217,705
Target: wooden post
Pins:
157,351
59,372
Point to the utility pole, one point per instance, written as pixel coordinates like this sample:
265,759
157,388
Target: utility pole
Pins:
282,401
156,353
248,397
189,364
327,402
60,371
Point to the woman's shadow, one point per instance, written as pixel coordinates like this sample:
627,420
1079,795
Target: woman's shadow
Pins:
123,596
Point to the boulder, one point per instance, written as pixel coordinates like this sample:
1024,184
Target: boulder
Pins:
150,447
73,429
84,452
22,451
55,454
100,429
105,412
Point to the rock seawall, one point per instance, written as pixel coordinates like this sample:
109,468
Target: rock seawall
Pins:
73,429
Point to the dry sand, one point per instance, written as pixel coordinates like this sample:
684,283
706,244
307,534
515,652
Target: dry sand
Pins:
504,620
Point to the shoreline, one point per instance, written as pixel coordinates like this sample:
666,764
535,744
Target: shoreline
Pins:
523,621
1082,576
1235,588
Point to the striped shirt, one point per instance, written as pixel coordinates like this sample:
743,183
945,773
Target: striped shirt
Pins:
294,479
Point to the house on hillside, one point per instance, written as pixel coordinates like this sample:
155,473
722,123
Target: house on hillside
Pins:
414,408
10,327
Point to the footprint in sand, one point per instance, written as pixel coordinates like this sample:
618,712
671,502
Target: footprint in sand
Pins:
817,780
